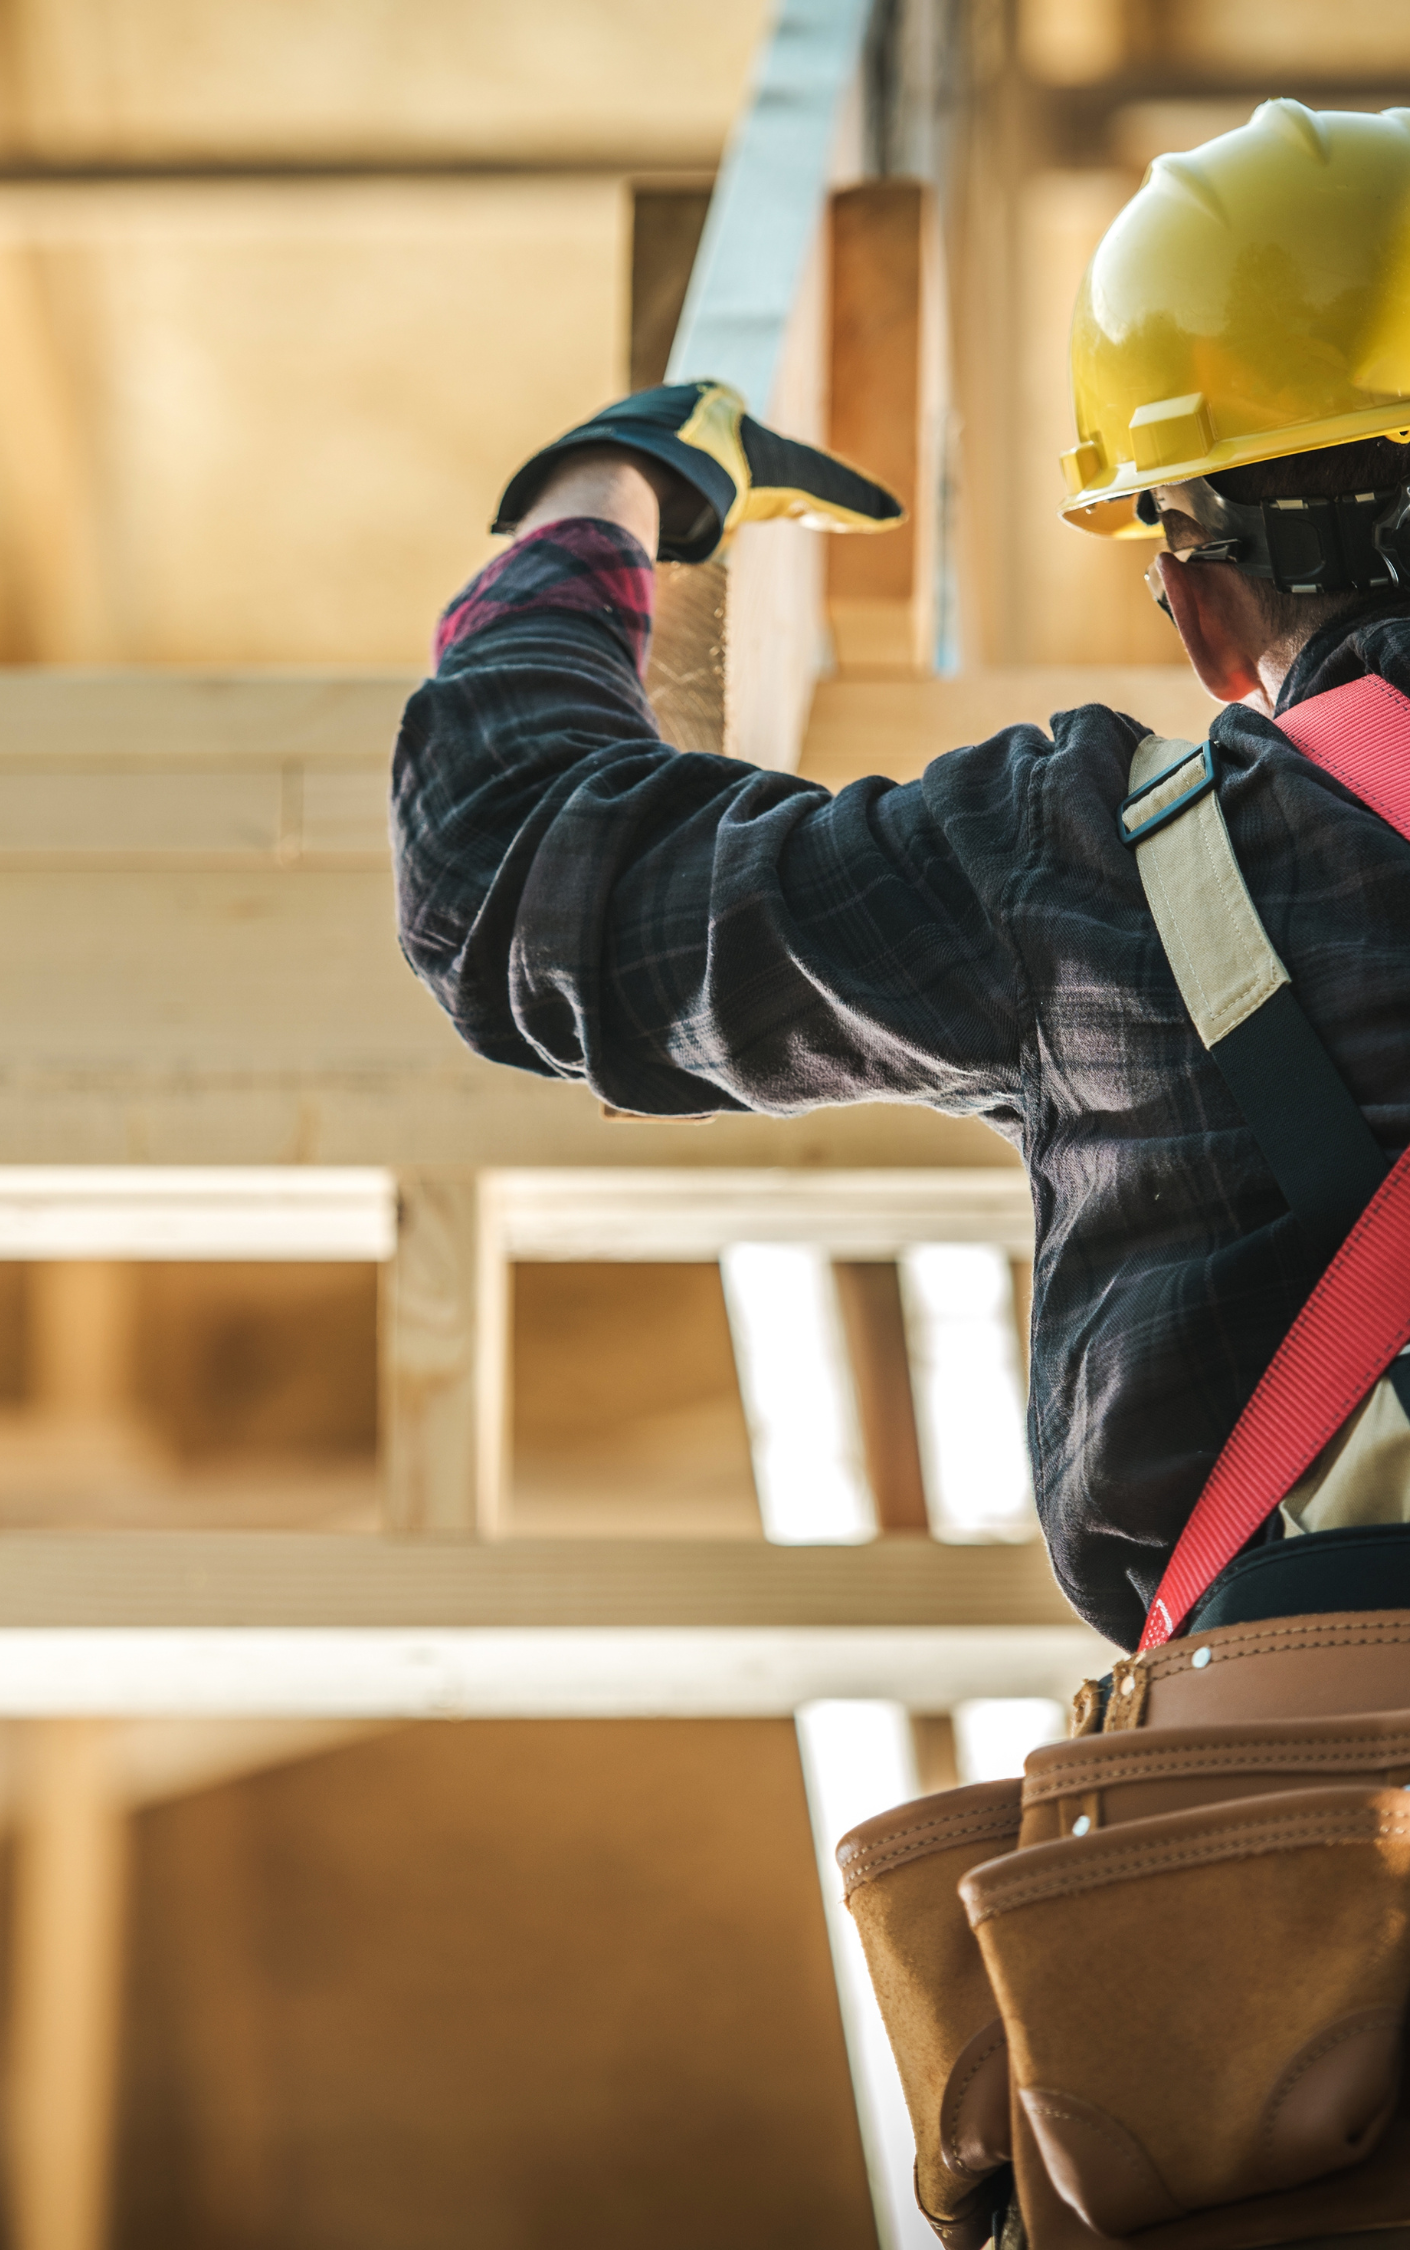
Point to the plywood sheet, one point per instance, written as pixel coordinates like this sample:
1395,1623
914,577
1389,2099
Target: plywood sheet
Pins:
500,1984
503,81
277,417
1366,39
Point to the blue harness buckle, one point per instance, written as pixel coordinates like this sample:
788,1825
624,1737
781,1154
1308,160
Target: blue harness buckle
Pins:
1208,780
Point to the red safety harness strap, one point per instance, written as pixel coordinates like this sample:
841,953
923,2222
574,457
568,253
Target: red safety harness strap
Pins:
1351,1328
1357,1319
1361,734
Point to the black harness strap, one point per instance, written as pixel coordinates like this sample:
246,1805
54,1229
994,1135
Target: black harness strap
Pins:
1302,1114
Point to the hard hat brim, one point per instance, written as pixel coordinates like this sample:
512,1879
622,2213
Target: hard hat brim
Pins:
1107,507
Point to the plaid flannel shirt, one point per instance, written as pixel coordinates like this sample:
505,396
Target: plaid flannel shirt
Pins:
688,933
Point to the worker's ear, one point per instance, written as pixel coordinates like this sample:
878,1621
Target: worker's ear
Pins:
1218,617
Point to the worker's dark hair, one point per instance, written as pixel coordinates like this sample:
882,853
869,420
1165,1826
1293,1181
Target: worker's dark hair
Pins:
1371,465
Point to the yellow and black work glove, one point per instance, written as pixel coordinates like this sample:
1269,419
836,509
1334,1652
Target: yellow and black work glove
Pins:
732,469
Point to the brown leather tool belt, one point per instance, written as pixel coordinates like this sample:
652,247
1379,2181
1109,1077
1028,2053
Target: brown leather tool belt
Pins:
1156,1991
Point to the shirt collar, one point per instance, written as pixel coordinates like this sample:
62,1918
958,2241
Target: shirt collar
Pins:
1376,639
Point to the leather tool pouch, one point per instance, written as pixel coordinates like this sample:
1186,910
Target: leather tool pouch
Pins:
1203,2006
1167,1974
902,1873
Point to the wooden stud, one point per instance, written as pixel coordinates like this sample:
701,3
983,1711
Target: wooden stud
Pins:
870,1298
886,314
67,1946
1078,599
685,674
57,598
933,1734
445,1343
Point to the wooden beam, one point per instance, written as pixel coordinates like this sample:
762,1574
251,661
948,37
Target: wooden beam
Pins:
51,553
259,718
755,316
768,200
887,319
444,1363
321,1626
56,1212
523,1672
198,1580
346,282
896,727
172,86
869,1295
685,672
678,1214
1075,599
219,979
67,1976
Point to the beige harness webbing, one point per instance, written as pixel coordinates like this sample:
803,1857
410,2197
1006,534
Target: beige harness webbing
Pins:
1213,938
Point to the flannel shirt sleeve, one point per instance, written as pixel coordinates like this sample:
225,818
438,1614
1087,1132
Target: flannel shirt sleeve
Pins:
688,933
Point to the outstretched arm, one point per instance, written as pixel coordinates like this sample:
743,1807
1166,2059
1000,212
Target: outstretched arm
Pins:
685,933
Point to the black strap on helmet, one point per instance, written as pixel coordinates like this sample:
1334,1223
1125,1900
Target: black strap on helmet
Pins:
1356,542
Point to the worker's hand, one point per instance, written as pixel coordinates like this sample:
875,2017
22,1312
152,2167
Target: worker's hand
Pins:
726,469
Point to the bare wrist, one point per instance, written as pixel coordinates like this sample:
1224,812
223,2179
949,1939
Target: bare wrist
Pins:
606,482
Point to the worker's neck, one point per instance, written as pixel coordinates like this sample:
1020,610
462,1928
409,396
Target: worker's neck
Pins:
1225,630
1271,669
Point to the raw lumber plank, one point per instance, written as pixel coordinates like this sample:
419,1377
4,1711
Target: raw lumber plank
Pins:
895,727
313,1579
528,1672
885,411
203,994
1075,598
136,719
444,1363
152,1110
869,1295
66,1962
674,1213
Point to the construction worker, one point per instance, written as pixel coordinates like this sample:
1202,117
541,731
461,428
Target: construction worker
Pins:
687,934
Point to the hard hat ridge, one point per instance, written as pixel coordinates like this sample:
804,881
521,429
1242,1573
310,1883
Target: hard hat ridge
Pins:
1252,301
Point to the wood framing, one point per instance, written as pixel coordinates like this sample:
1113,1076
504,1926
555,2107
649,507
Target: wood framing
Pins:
756,316
518,1672
200,960
677,1214
869,1299
446,1353
896,727
444,1362
885,411
317,1579
66,1972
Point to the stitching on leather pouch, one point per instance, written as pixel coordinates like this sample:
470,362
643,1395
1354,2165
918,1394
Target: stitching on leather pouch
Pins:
863,1859
1231,1843
1068,2116
999,2039
1336,2037
1137,1766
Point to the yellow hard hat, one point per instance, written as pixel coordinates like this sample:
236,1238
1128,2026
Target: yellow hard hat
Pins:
1253,300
